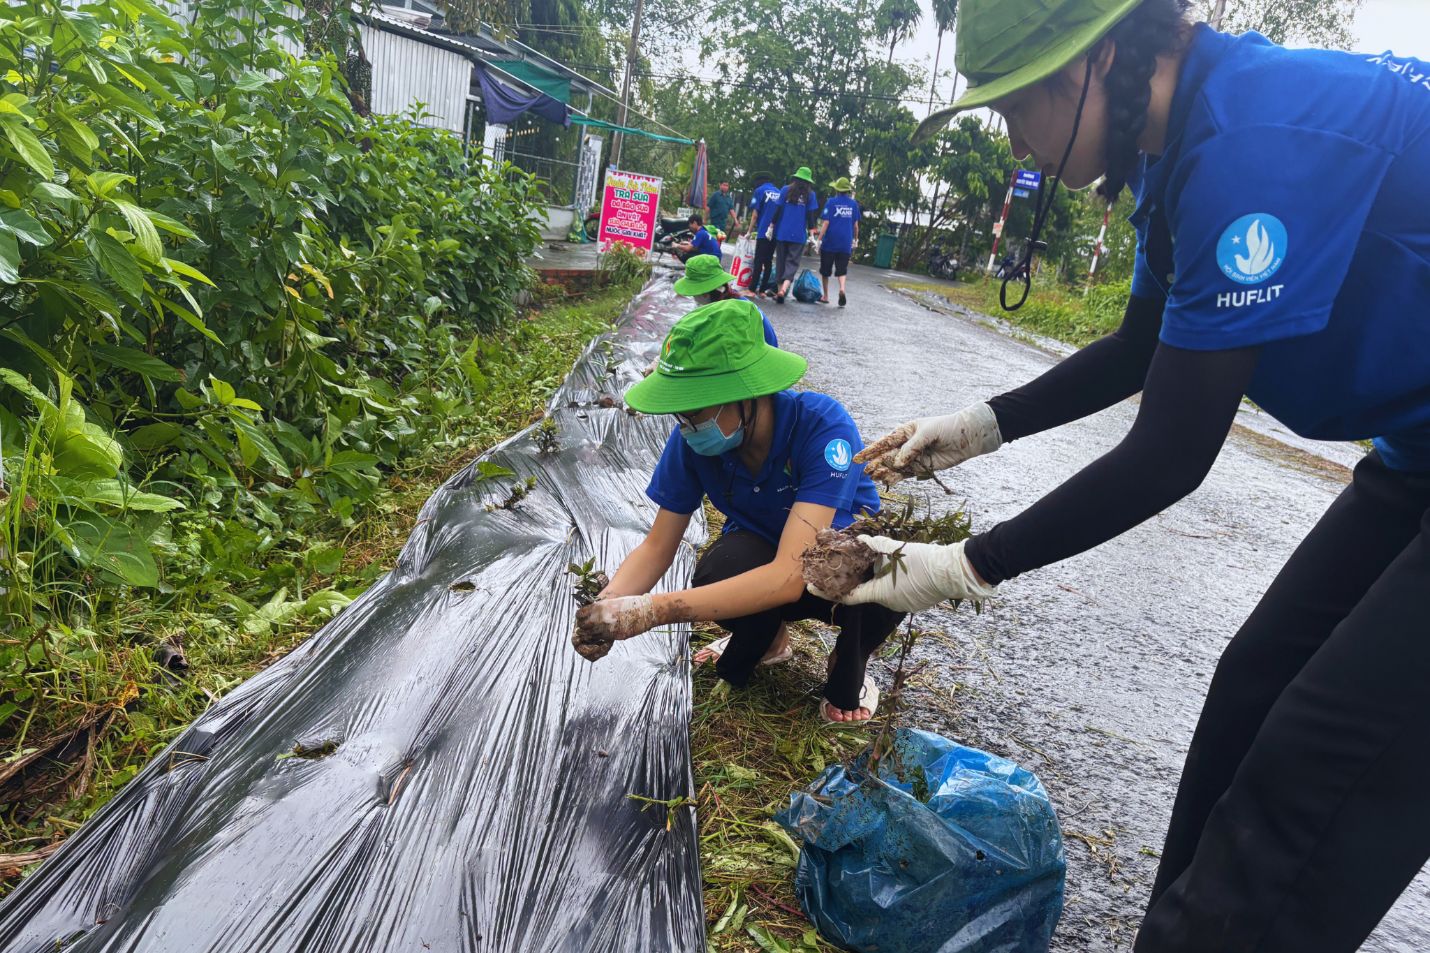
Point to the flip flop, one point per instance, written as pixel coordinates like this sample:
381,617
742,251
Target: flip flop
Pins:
719,645
868,698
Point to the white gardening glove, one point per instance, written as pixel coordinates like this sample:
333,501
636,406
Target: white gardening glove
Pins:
770,232
925,574
601,624
931,443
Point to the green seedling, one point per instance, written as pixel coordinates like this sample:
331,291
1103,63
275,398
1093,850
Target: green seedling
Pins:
310,752
590,582
519,492
545,435
671,806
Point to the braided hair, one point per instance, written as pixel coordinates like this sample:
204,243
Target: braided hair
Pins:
1155,28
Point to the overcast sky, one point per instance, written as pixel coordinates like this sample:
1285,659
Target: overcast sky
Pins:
1399,25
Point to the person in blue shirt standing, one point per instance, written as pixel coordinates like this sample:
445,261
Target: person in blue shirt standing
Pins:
702,242
794,216
837,235
778,464
1283,223
763,202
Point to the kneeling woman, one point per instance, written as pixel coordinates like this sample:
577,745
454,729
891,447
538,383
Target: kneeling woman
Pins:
777,464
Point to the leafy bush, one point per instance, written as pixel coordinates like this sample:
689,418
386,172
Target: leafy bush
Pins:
226,300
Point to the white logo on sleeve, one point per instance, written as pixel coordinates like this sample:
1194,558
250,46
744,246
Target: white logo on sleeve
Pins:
839,454
1252,248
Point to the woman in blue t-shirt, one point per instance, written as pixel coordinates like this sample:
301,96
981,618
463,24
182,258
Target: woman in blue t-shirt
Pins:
1283,224
795,211
777,463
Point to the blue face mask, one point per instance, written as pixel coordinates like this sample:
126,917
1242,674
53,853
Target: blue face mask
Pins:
707,439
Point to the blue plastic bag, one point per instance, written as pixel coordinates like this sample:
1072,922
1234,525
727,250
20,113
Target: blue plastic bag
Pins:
806,287
948,850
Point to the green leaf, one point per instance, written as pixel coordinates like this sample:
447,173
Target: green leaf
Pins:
103,183
188,271
251,81
117,262
170,225
154,436
9,258
146,236
112,492
491,471
54,192
135,360
767,940
92,295
222,390
24,225
194,320
262,443
28,145
99,543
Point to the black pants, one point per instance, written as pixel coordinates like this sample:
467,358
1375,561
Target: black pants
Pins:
764,277
862,629
1302,811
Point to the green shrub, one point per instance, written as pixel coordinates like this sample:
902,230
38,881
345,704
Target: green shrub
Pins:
226,300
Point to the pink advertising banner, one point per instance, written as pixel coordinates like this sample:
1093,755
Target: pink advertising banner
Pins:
630,205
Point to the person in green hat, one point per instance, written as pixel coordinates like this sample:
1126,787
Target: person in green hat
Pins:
795,214
778,464
1283,254
707,281
838,234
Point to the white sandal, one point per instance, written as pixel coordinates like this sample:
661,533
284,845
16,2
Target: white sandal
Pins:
719,645
868,698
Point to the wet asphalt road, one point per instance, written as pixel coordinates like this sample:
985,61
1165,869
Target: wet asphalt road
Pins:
1090,672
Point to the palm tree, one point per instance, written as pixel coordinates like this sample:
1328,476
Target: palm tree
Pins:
945,12
897,19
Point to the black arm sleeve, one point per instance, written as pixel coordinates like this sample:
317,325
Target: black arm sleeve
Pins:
1108,370
1188,405
779,213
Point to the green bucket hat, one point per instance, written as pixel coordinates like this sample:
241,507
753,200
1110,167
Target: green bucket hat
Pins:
1008,45
842,184
805,174
702,273
716,354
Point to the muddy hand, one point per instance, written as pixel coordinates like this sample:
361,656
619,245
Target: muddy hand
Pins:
601,624
920,576
931,443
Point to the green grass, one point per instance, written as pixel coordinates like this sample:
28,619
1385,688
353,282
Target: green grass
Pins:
1055,312
87,704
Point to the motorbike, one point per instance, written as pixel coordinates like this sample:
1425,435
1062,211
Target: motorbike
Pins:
675,231
941,265
1006,267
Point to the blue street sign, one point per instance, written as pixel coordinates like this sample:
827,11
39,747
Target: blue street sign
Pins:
1021,193
1027,180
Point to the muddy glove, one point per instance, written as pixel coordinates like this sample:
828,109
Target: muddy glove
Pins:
924,575
922,446
601,624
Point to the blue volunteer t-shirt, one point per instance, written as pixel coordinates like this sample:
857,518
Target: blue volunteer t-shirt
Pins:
705,244
811,460
841,212
763,204
792,227
1294,188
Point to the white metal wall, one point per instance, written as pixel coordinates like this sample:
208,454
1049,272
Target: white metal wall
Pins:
405,72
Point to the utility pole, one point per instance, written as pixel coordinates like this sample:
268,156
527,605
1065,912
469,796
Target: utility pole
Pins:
1217,10
1002,221
632,54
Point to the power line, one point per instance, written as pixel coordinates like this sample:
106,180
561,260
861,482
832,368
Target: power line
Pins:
770,87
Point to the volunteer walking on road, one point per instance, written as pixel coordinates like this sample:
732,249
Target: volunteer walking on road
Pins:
779,464
1283,220
790,227
762,213
838,234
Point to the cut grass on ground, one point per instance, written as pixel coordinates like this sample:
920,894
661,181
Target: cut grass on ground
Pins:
1067,316
751,748
104,706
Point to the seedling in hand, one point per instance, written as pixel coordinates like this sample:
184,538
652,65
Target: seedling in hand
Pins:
590,582
839,562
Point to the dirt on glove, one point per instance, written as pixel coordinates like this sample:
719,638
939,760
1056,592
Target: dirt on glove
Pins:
837,563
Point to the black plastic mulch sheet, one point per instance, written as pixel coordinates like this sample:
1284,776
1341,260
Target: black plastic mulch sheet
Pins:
468,805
